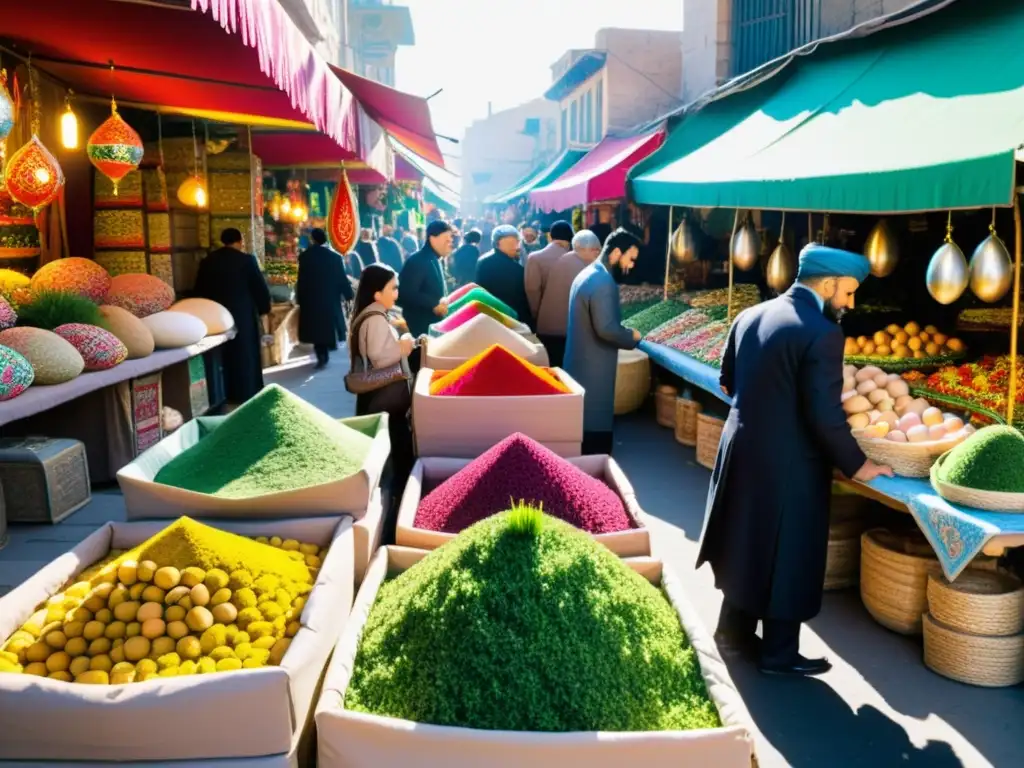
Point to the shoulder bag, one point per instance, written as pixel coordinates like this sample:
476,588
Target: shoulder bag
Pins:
362,377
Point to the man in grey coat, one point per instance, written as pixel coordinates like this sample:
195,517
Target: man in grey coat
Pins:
595,335
538,269
553,312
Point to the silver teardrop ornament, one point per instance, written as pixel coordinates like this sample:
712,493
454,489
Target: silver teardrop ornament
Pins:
746,247
684,248
947,275
881,250
991,269
781,270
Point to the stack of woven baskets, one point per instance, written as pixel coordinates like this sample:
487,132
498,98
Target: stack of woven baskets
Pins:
846,523
974,628
894,570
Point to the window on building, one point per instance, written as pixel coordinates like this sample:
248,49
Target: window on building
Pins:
531,126
574,122
564,135
764,31
599,110
588,110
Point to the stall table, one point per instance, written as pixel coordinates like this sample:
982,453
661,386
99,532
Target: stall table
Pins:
957,534
686,368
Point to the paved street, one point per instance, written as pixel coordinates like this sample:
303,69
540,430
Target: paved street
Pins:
879,707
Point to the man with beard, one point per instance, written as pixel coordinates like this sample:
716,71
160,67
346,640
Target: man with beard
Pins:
766,525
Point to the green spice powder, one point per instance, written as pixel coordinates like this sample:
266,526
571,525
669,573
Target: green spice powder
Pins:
992,459
647,320
275,442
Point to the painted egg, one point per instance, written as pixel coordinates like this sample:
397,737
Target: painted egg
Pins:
175,329
100,349
16,373
73,275
53,359
140,294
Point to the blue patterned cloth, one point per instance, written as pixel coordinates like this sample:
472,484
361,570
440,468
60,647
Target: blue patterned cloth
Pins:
685,367
957,534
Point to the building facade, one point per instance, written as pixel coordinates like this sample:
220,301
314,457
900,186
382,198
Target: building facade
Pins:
502,148
322,22
630,77
374,30
725,38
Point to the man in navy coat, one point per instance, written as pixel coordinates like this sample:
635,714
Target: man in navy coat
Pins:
423,292
766,525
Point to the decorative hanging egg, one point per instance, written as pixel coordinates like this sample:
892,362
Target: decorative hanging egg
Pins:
684,246
746,246
991,269
343,218
115,148
33,175
8,112
882,250
947,275
781,271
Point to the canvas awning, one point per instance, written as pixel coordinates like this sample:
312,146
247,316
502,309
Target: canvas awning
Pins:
538,177
440,196
916,117
601,175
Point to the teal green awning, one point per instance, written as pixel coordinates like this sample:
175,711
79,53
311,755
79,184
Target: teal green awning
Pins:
439,196
539,177
923,116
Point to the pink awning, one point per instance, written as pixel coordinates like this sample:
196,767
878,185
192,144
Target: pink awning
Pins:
600,175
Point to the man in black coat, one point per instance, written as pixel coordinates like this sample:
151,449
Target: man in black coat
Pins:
321,287
464,259
501,273
422,289
766,525
232,278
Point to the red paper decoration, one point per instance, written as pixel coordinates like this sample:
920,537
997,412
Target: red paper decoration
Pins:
343,218
115,149
33,175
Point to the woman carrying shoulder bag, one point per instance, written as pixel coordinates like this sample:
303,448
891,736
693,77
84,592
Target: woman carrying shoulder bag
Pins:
379,374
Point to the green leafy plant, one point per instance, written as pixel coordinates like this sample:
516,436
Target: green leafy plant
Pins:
50,309
526,519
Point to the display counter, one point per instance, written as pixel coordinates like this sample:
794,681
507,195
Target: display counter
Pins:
957,534
117,413
686,368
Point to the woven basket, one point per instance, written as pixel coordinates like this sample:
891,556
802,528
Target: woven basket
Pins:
665,405
906,459
991,662
978,603
709,433
842,568
632,380
686,421
995,501
894,572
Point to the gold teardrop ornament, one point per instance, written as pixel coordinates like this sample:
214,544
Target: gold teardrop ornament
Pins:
947,275
746,247
684,246
881,250
781,271
991,269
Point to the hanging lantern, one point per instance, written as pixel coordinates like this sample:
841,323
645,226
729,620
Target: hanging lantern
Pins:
947,275
8,112
991,269
115,148
781,270
684,246
33,175
192,193
343,218
746,246
881,250
68,126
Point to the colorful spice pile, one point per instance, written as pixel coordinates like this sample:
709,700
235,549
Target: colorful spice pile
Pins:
743,296
496,372
478,334
688,322
982,386
649,319
468,312
526,605
632,294
522,469
460,292
706,344
190,600
992,459
484,297
275,442
635,308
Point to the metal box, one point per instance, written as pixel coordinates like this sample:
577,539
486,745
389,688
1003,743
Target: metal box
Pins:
44,479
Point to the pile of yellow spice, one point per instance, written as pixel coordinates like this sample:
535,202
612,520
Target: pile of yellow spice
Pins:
190,600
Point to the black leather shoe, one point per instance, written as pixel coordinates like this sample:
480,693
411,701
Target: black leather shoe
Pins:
733,644
802,667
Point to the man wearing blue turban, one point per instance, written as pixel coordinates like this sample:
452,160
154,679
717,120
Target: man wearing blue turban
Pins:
766,525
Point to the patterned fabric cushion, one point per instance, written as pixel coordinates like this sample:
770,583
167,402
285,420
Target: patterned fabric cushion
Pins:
140,294
73,275
15,373
53,360
99,349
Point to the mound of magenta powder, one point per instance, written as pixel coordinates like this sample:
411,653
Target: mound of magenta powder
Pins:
467,312
521,469
496,372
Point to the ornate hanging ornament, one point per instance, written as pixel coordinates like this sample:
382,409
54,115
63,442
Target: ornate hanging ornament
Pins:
343,217
114,148
746,246
881,250
684,245
781,270
947,275
33,175
991,269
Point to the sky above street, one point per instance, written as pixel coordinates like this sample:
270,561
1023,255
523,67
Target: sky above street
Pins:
501,51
